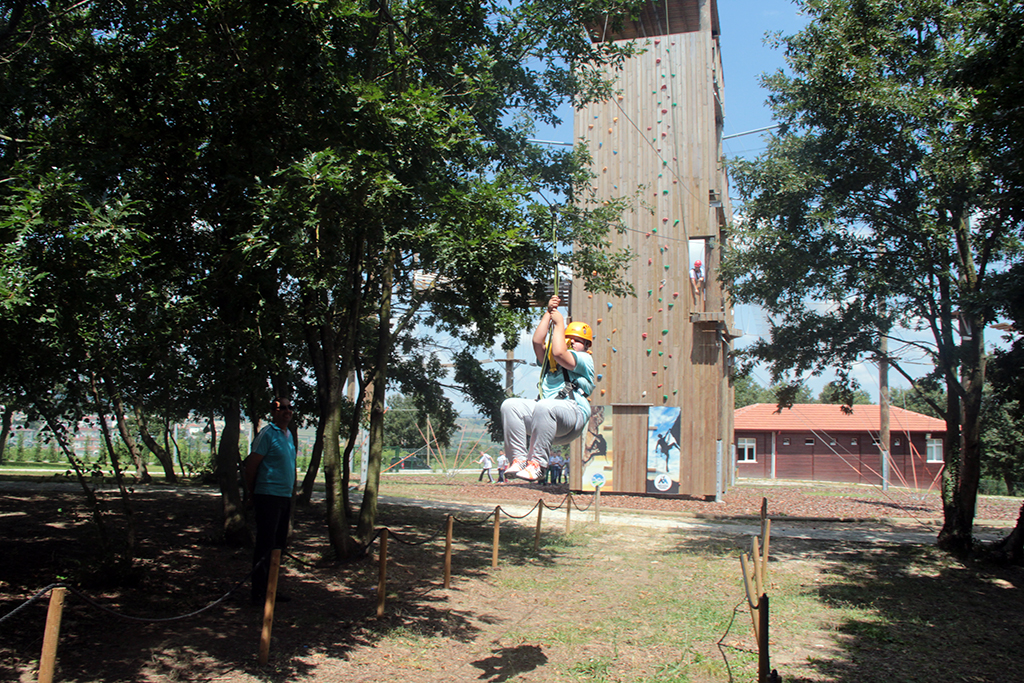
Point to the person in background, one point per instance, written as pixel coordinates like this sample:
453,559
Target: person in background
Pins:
487,463
502,466
555,468
697,283
270,479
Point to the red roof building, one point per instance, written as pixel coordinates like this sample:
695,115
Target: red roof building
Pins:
820,442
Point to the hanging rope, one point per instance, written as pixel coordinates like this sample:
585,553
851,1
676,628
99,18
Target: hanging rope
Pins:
548,364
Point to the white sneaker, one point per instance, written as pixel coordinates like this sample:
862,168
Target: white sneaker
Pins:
517,465
531,472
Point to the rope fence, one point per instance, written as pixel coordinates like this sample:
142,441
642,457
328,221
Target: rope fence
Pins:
58,591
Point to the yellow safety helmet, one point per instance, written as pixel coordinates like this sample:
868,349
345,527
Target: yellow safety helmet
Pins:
580,330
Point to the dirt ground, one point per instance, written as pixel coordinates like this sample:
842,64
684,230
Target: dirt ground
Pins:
480,629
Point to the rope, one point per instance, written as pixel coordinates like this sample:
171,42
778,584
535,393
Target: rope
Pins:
577,506
469,522
509,514
31,600
432,537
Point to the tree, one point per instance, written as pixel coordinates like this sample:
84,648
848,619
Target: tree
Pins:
749,391
837,394
319,188
872,212
405,423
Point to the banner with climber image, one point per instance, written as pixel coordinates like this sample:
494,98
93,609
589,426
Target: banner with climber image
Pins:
597,451
663,429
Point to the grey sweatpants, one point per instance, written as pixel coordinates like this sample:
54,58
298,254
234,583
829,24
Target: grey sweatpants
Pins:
548,421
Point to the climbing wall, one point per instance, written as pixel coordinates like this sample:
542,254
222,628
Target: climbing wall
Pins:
657,141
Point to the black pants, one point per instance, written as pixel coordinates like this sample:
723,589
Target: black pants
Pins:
272,515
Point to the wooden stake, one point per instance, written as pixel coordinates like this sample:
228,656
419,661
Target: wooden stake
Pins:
749,587
497,533
755,557
597,505
51,635
540,514
448,553
765,540
268,606
382,580
568,512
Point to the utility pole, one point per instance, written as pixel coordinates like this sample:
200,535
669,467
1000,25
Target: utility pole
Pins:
883,405
509,362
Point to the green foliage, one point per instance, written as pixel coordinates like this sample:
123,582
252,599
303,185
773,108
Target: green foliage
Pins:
838,394
925,398
872,211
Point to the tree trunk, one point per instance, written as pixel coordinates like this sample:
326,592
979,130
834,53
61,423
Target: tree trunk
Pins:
228,472
94,503
161,453
213,438
1011,548
141,470
306,492
957,535
5,429
168,440
368,511
115,464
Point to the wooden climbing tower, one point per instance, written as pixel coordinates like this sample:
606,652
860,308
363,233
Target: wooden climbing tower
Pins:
663,405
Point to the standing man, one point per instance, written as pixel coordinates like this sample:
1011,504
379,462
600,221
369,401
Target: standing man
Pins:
502,466
486,463
270,478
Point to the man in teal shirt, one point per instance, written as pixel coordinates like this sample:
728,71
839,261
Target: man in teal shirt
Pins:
270,477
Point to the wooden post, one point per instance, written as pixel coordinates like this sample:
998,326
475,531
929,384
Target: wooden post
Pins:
568,512
597,505
51,635
268,606
497,533
540,514
765,539
763,660
448,554
749,587
755,557
382,583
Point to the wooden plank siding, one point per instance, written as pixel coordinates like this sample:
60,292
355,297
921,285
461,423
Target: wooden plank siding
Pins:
848,457
658,142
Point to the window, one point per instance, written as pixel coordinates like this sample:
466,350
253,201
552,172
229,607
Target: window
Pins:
897,442
934,450
746,450
809,442
785,442
853,441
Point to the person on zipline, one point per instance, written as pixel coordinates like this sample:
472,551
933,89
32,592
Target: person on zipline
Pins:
561,413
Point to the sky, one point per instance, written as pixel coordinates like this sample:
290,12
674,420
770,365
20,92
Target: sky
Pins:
745,57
